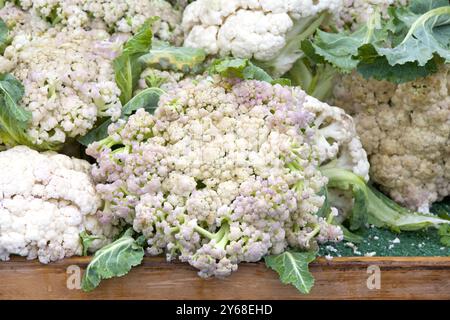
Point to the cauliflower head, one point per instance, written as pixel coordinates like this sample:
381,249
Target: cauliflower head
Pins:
125,16
267,31
405,130
68,80
46,200
225,171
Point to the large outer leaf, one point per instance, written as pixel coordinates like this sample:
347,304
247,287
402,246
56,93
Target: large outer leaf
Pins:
292,267
429,34
403,48
113,260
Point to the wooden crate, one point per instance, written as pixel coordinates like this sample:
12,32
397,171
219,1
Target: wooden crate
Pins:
341,278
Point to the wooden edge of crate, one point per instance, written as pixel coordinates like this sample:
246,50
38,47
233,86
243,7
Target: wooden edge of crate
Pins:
339,278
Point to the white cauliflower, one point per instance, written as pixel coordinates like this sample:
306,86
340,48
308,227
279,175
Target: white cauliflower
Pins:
405,130
124,16
19,20
68,79
267,31
46,200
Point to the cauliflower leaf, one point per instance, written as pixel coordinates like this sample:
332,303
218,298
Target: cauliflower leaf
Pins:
14,118
403,48
444,233
292,268
113,260
165,57
126,66
4,36
239,68
377,208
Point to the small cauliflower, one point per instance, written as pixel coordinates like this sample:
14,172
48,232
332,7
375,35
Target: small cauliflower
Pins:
269,32
46,201
405,130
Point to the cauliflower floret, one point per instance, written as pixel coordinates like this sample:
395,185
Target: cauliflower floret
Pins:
258,29
69,81
46,200
405,130
336,138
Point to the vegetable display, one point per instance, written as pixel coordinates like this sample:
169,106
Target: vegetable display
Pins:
220,132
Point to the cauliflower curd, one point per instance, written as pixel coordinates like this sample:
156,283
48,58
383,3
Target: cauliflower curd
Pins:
405,130
223,172
46,200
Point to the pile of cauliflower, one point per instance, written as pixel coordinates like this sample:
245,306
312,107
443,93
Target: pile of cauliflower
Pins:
206,152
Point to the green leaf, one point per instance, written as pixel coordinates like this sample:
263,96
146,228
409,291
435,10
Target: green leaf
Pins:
127,68
444,233
407,46
141,42
182,59
378,209
428,34
351,236
325,209
292,267
113,260
86,241
239,68
282,81
4,36
442,209
14,119
379,68
147,99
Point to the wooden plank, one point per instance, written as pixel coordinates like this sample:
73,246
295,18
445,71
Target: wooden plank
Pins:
341,278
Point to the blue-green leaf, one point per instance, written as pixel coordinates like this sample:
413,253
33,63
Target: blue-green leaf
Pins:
113,260
4,36
292,267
